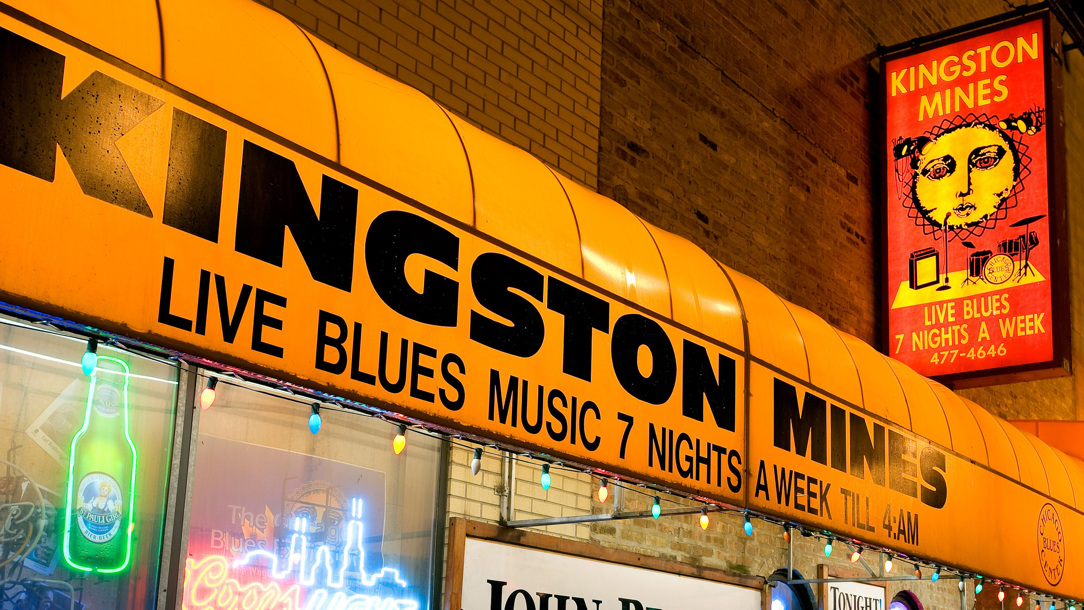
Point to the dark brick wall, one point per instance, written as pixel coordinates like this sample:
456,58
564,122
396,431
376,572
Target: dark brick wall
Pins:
527,71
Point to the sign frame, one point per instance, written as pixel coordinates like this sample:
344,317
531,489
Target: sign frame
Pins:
1059,365
461,528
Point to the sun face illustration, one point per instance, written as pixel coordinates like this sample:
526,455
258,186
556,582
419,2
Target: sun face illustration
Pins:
961,177
965,175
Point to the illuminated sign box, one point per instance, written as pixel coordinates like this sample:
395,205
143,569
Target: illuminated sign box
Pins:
975,288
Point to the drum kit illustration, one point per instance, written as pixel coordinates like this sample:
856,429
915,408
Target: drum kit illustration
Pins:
1013,257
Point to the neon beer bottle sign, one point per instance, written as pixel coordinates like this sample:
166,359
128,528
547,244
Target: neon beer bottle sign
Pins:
98,515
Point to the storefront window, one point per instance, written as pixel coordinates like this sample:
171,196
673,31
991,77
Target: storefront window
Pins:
328,520
84,464
790,597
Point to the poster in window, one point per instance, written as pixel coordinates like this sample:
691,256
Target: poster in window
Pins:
288,528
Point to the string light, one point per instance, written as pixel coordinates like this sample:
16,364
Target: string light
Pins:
656,508
1019,599
828,548
1072,605
704,521
603,491
936,574
1051,604
888,564
960,585
399,442
856,555
314,419
545,478
207,396
786,534
748,526
918,572
1001,595
978,585
476,462
90,357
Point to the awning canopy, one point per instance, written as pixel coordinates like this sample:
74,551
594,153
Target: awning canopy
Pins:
250,66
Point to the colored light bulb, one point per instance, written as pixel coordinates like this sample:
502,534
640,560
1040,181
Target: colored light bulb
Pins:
786,535
978,587
704,521
888,564
656,508
748,527
936,574
314,419
399,442
918,572
603,491
545,479
828,548
1019,600
1001,595
90,357
476,462
207,396
856,555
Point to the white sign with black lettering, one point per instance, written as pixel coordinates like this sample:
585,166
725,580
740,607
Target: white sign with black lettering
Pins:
853,596
500,576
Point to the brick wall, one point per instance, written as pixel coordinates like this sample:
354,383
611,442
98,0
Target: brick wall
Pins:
527,71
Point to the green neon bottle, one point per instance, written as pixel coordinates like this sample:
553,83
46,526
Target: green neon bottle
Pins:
98,521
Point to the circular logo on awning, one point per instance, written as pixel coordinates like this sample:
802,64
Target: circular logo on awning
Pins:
1051,544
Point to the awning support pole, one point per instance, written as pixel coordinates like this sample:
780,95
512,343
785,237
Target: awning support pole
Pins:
614,516
817,581
790,556
506,488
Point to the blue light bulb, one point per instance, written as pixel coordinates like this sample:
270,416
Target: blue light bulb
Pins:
545,480
936,574
748,527
315,420
828,548
90,357
656,509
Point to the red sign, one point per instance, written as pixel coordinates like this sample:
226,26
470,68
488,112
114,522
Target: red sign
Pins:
970,282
